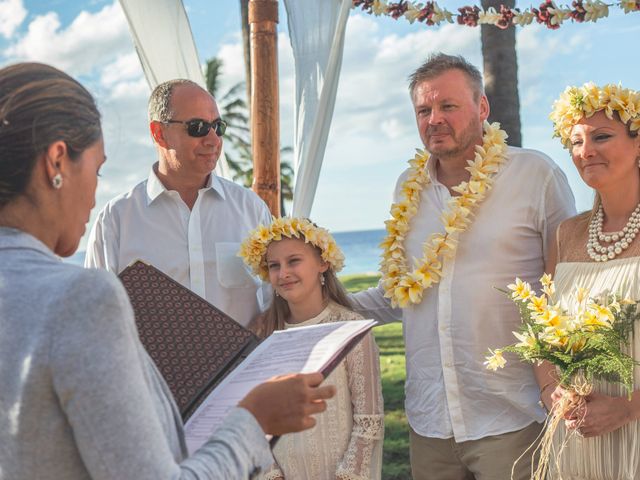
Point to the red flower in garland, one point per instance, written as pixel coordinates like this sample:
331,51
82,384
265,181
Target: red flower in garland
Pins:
426,13
469,16
366,5
544,16
397,9
578,13
506,18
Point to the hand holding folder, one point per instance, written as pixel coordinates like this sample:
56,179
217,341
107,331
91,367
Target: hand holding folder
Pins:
211,362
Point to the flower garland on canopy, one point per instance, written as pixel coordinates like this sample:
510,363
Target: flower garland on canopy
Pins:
548,12
403,286
253,249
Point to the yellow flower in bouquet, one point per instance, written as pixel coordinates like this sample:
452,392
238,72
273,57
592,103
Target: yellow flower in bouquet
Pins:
527,339
495,360
521,290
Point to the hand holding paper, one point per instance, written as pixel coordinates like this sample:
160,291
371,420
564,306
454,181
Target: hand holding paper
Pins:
286,403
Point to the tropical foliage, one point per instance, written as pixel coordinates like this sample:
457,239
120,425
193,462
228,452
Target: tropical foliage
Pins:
233,109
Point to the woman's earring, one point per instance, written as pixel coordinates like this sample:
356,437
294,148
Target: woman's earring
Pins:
322,281
56,181
276,292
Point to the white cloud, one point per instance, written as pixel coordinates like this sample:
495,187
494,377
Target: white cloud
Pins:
392,128
12,14
90,40
125,67
232,56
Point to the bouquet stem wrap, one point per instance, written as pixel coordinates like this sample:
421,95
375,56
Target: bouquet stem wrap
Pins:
573,398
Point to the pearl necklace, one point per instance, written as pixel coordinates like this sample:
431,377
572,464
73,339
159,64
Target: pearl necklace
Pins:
621,240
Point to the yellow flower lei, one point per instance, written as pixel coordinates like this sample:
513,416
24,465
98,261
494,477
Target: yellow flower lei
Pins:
403,286
254,248
578,102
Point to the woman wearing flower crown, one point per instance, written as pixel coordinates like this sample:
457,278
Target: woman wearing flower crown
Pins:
300,260
599,251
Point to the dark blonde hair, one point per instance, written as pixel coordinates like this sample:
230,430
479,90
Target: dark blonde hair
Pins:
278,312
440,63
39,105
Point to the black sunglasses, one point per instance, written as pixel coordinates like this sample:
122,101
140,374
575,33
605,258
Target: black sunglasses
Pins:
200,128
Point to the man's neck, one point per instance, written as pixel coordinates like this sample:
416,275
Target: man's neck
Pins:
451,171
186,186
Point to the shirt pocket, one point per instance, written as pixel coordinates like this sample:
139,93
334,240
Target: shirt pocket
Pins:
231,270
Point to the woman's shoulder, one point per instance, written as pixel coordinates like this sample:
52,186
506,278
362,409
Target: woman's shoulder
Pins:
93,281
575,225
86,289
572,236
339,313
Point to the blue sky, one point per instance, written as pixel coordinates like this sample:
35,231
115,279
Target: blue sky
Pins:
373,133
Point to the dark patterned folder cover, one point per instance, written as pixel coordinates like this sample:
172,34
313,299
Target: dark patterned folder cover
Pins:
193,343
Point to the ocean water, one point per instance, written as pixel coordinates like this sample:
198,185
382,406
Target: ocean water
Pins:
360,249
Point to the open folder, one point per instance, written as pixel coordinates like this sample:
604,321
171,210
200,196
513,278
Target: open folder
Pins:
210,361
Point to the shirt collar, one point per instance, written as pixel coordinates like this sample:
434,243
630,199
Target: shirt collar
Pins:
155,187
215,184
431,169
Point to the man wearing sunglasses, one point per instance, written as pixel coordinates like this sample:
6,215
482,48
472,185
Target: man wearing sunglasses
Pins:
183,219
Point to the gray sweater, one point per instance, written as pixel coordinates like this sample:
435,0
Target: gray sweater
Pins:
79,397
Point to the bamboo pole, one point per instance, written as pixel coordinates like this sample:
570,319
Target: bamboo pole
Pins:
265,115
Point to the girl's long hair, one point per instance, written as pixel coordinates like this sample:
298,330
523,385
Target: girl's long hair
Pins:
278,312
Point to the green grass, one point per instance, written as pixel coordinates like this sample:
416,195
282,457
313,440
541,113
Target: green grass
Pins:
355,283
395,464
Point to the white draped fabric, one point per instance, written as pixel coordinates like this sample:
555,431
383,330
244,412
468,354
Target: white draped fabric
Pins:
164,43
316,31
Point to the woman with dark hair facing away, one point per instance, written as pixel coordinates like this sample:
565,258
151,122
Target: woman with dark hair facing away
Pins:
80,398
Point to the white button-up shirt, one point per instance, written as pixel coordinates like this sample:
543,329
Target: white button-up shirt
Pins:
449,392
197,247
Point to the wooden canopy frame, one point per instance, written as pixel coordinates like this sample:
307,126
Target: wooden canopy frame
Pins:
265,108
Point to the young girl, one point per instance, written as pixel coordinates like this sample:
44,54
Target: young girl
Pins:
300,260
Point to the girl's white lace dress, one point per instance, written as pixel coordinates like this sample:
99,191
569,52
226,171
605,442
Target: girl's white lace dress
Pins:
346,442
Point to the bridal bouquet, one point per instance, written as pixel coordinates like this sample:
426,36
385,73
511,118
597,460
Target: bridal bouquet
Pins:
586,344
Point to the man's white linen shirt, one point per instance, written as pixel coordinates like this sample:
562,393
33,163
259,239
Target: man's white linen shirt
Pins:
449,392
197,248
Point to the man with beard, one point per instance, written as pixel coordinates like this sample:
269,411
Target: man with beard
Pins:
469,215
183,219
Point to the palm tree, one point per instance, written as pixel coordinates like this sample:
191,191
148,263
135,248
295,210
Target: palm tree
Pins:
501,73
233,109
246,46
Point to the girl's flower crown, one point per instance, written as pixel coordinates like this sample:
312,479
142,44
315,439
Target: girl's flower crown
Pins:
254,248
577,102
